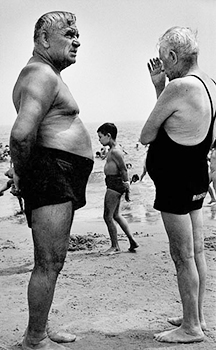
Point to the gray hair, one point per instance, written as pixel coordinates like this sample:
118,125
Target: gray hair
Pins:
49,20
182,40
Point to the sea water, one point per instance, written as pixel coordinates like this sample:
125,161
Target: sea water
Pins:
139,209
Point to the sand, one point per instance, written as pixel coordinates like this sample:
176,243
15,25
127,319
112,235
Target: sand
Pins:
109,302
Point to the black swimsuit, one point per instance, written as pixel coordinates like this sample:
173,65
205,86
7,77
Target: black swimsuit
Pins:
179,172
115,183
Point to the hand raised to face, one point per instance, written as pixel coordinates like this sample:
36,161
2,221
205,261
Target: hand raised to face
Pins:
156,70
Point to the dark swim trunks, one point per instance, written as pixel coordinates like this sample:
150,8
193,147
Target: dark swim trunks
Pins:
115,183
52,177
180,173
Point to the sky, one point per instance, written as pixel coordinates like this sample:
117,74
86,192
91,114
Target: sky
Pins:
110,80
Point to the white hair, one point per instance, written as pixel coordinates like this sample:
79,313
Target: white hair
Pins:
182,40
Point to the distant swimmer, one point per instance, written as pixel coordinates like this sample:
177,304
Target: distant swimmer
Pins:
117,182
134,178
129,165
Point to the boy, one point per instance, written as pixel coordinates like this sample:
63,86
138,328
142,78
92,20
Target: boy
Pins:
117,183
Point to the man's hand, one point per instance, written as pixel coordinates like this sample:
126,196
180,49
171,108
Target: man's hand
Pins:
156,70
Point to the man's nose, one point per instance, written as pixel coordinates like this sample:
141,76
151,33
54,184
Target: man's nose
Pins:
76,43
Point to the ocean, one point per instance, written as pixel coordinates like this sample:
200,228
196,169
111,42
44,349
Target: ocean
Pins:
139,209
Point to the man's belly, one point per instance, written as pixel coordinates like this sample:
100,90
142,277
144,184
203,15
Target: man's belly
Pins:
76,141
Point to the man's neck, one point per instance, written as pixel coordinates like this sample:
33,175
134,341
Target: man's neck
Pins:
37,54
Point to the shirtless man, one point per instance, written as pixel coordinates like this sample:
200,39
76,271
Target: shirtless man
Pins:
118,183
52,156
179,130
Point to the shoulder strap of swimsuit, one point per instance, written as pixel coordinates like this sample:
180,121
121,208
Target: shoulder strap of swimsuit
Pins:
212,109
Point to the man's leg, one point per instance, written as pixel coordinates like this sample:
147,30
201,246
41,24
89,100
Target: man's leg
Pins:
51,230
111,201
125,228
180,233
199,255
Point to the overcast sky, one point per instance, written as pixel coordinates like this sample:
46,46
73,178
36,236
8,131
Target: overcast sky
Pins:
110,80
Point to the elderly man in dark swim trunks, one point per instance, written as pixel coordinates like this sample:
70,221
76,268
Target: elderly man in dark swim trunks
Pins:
117,182
180,133
52,155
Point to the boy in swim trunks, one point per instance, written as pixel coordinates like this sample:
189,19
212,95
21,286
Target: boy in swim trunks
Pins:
117,182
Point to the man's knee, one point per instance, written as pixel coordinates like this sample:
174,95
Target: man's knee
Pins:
49,265
181,256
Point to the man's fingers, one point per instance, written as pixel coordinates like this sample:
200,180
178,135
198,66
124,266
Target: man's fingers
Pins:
149,68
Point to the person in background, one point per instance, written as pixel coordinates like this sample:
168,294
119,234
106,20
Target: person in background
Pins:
180,132
211,194
212,166
52,156
144,172
10,184
117,182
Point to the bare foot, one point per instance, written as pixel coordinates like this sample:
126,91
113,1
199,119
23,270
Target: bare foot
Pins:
112,251
177,321
44,344
133,246
61,336
180,335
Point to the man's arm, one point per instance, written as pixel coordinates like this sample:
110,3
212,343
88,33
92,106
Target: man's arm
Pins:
35,92
166,105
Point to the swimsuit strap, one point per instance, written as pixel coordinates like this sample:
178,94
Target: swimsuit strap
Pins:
212,109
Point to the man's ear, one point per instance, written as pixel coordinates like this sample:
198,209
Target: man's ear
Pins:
45,40
173,56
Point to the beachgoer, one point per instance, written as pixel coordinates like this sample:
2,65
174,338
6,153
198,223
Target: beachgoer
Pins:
98,154
128,165
1,151
210,188
117,182
134,178
104,151
7,185
211,194
179,130
52,155
213,166
6,152
10,184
